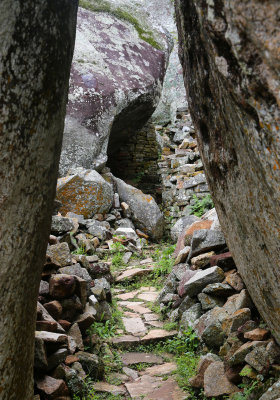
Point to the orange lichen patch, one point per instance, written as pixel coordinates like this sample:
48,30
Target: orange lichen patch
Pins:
79,196
185,237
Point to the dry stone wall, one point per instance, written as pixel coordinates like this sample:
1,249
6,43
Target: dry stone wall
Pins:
230,55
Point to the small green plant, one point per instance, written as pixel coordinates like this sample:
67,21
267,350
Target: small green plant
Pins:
117,260
80,251
200,206
170,326
118,247
247,390
164,261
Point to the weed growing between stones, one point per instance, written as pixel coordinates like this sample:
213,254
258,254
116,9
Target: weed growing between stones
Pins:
201,206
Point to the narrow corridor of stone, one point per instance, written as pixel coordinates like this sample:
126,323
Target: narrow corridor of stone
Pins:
145,372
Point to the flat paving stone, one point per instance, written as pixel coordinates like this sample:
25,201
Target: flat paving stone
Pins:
160,370
143,386
134,325
130,314
132,273
158,334
127,296
125,340
152,296
147,289
107,388
137,307
169,390
136,358
146,261
131,373
151,317
155,324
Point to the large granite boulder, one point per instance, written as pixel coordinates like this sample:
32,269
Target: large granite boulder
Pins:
146,214
116,80
84,192
231,60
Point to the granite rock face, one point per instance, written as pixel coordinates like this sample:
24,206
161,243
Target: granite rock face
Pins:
116,80
146,214
230,56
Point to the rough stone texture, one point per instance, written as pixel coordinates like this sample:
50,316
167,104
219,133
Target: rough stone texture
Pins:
115,85
230,56
273,393
182,224
85,192
35,54
145,212
216,382
203,278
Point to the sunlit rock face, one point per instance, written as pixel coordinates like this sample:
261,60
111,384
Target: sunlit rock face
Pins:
116,80
231,60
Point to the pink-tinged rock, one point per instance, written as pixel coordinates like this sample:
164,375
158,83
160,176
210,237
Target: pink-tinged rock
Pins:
257,334
224,261
125,77
134,325
215,381
132,273
198,380
125,341
185,237
168,390
187,276
238,301
54,308
235,281
158,334
136,358
62,285
152,296
127,296
160,370
105,387
51,387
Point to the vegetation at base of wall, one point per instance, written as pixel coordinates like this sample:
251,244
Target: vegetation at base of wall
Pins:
104,6
201,206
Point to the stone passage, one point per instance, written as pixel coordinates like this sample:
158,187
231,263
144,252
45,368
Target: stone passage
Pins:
135,160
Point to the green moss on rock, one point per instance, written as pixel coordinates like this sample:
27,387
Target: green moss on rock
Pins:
106,7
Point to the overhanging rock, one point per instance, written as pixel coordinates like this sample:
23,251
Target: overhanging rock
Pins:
231,60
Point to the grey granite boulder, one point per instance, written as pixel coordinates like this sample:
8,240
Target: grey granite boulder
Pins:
203,278
180,225
146,214
116,79
204,240
273,393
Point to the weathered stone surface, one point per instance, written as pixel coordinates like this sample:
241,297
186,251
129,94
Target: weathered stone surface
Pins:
107,388
132,273
258,358
32,110
190,316
239,147
273,393
208,302
158,334
182,224
160,370
257,334
51,337
75,333
198,380
125,341
205,240
52,387
238,301
61,225
59,254
186,236
76,270
91,364
201,261
134,325
135,358
145,212
218,289
62,285
85,193
203,278
40,355
188,275
120,87
216,382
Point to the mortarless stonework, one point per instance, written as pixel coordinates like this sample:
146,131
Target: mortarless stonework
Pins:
231,60
36,46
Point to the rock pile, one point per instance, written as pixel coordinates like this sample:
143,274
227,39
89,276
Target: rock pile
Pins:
75,288
205,292
180,168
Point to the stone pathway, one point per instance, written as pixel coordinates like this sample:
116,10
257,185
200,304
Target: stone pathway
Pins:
142,326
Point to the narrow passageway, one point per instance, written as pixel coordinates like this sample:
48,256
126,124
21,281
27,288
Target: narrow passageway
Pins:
143,364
